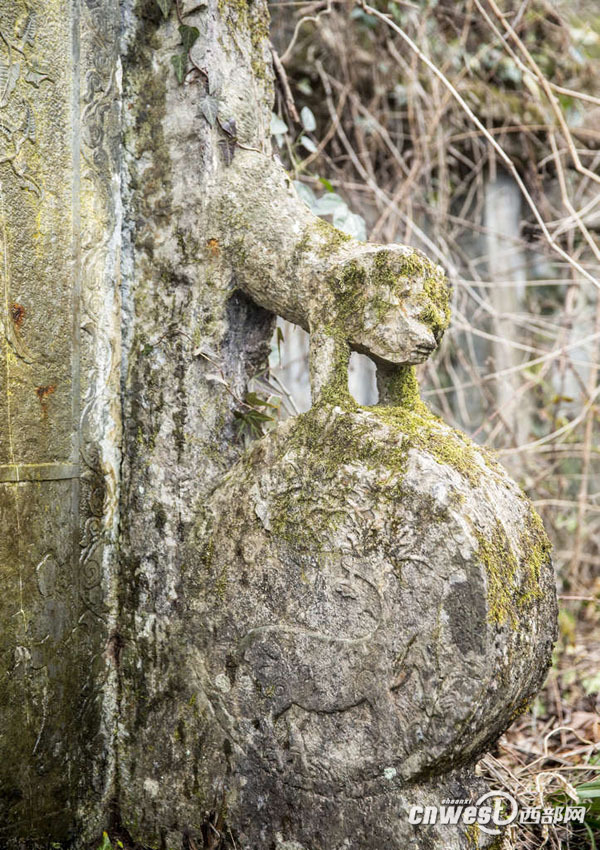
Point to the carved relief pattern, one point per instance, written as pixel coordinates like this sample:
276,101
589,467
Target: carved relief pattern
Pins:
99,319
364,621
100,367
39,610
17,111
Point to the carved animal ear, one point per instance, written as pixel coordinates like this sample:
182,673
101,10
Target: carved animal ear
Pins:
329,358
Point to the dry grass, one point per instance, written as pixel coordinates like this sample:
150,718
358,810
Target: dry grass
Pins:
554,748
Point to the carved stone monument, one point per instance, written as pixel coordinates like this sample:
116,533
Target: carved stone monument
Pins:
59,416
297,641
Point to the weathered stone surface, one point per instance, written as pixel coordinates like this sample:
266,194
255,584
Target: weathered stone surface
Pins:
390,299
181,307
58,418
235,710
369,603
38,680
294,651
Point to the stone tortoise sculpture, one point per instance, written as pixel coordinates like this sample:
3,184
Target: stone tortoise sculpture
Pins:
378,602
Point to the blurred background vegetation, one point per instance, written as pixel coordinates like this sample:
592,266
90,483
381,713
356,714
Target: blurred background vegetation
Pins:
471,129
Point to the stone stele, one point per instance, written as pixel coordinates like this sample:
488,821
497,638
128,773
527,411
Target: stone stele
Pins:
280,646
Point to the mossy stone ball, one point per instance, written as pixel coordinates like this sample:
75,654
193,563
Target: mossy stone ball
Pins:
378,600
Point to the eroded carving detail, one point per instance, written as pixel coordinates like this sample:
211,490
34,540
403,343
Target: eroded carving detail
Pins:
341,650
17,119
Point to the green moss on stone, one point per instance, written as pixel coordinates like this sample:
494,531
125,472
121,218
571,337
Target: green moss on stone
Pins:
501,566
436,314
427,432
536,552
383,274
330,238
358,290
513,584
221,584
258,20
240,16
349,292
436,295
419,427
327,443
330,441
336,392
403,390
352,292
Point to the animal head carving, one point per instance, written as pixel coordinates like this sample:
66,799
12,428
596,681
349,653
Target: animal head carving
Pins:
390,302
